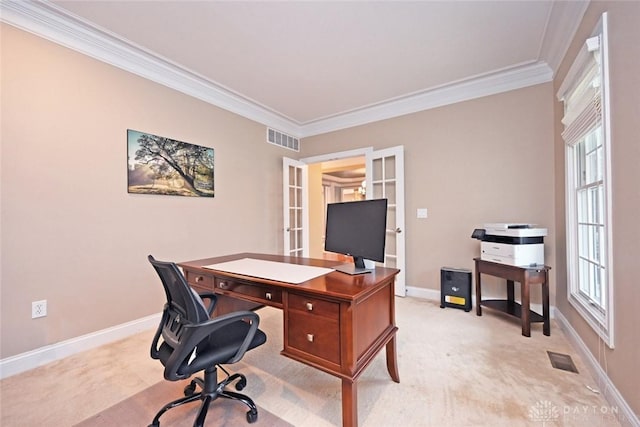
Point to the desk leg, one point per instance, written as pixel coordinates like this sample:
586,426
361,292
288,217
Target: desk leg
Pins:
546,328
349,403
392,360
478,292
526,311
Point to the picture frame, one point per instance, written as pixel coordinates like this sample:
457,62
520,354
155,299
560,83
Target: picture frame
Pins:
165,166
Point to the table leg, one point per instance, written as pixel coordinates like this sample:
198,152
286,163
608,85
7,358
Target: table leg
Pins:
546,328
510,293
392,360
349,403
526,311
478,292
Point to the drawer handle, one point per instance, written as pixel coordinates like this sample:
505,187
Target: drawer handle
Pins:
223,285
199,279
268,295
309,306
310,337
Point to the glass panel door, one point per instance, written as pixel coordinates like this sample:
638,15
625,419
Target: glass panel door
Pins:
295,216
385,179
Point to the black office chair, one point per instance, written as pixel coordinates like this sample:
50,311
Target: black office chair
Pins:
188,341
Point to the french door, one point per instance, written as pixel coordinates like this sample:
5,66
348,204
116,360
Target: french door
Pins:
385,180
295,202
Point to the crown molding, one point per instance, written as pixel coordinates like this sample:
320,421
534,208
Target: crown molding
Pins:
502,81
50,22
564,20
53,23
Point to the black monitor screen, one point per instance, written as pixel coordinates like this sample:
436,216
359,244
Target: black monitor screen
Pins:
357,229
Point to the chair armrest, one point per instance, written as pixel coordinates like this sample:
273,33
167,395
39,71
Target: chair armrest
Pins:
158,334
213,299
254,321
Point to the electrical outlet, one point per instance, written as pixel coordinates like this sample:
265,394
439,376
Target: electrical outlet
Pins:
38,309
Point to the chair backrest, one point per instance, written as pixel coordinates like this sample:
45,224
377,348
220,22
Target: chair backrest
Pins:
184,306
181,298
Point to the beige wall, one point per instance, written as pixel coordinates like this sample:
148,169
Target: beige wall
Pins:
71,234
620,364
485,160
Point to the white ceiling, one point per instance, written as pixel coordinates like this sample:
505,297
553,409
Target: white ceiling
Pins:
310,67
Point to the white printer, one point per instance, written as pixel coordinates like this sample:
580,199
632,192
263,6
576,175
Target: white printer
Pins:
518,244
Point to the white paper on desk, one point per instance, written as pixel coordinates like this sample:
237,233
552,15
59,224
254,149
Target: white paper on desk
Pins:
271,270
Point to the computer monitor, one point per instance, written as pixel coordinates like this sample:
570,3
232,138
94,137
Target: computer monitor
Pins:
357,229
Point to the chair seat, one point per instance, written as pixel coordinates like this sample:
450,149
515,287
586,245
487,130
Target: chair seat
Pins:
221,346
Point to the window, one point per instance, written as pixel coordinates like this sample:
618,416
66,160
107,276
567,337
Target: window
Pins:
585,94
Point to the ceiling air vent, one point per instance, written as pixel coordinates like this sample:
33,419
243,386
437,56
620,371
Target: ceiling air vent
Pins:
282,139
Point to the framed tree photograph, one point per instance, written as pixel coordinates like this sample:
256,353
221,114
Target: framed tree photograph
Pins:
159,165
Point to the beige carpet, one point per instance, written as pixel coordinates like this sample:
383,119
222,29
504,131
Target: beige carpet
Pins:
140,409
456,369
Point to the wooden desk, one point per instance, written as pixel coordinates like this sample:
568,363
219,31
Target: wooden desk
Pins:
336,323
526,276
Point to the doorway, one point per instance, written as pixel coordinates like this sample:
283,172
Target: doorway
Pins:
342,180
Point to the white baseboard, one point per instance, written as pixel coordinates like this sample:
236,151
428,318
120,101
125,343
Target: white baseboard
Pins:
32,359
626,415
424,293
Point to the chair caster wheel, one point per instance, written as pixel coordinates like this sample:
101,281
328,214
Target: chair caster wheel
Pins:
190,389
252,416
242,383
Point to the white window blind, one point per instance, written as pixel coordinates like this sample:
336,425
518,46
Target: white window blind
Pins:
583,102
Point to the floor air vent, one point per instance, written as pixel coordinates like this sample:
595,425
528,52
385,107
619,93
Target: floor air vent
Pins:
562,361
283,140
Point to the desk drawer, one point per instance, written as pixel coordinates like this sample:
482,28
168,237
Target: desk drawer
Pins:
200,280
314,306
313,334
265,294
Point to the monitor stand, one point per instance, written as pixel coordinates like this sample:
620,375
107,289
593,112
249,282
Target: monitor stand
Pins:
358,267
352,269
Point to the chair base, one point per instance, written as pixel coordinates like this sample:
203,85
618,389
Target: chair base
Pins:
211,390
